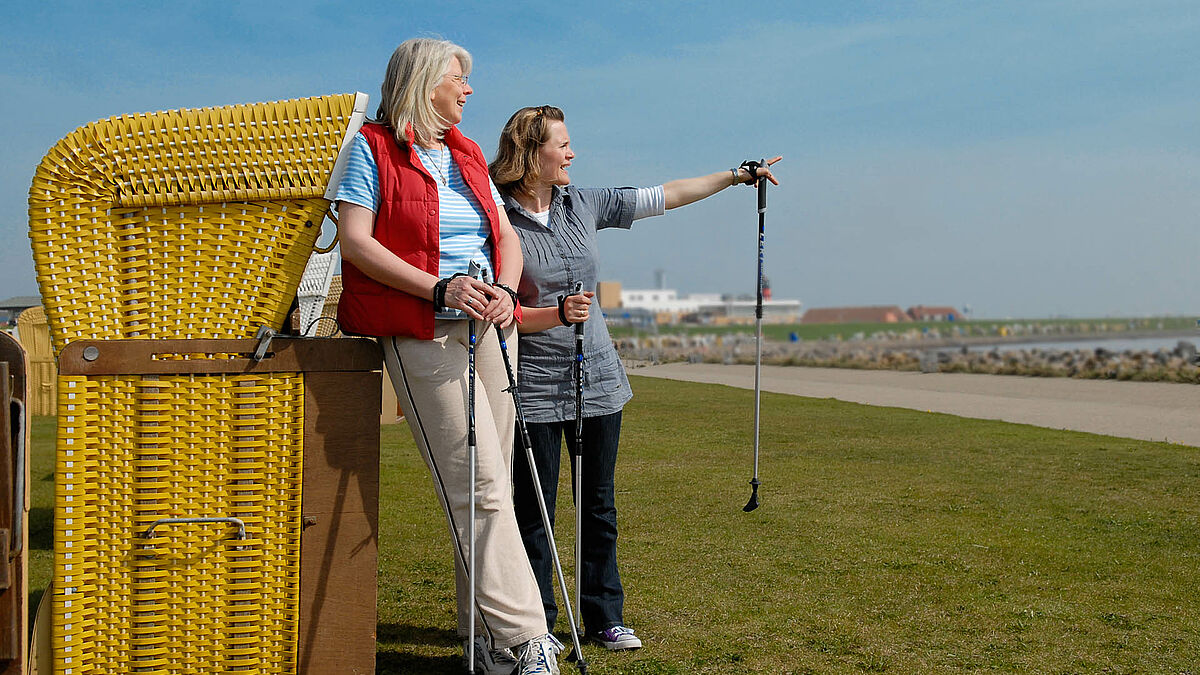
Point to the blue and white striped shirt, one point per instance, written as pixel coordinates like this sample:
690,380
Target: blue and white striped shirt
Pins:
462,225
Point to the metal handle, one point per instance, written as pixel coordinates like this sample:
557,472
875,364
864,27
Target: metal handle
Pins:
18,432
241,533
264,336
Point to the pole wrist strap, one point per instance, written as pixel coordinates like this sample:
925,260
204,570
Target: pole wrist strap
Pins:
439,291
562,310
752,167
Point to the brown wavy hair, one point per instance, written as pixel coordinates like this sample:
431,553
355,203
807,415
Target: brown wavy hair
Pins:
516,166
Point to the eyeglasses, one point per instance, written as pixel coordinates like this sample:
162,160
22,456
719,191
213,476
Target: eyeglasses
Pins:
460,80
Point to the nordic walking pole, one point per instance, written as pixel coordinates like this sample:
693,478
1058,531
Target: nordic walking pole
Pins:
758,314
471,463
576,451
541,500
577,456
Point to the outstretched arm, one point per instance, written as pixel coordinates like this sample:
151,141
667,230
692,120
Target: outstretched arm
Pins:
687,190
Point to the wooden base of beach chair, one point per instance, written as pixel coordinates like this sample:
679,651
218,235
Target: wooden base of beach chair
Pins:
292,593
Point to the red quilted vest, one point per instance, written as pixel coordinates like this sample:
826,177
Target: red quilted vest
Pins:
407,225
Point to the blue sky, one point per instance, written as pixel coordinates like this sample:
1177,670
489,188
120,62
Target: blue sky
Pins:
1023,158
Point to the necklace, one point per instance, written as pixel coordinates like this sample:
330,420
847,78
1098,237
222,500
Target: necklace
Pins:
437,163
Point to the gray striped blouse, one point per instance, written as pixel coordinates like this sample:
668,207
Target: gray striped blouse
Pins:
556,257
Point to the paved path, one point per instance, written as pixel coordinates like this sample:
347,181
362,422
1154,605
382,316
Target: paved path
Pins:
1146,410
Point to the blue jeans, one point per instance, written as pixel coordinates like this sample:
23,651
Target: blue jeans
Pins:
603,598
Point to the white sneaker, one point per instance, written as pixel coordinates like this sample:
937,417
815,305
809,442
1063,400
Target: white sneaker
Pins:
617,637
490,661
539,656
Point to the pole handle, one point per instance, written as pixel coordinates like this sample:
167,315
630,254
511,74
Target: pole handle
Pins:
579,338
762,191
578,326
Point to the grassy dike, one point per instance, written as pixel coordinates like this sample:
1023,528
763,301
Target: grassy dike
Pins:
888,541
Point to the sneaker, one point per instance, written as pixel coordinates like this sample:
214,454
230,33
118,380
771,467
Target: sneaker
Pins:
616,638
539,656
490,661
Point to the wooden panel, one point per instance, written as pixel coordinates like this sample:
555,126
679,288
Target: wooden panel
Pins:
5,580
157,357
11,635
14,368
391,413
340,507
7,462
12,354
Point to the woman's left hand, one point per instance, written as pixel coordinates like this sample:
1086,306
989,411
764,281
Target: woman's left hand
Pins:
684,191
499,309
762,172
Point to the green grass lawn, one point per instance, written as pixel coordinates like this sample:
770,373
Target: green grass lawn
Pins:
888,541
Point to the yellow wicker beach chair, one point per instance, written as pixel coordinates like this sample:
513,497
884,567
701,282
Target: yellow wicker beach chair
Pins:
184,224
191,227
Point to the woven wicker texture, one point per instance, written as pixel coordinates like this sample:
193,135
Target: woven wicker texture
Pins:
313,291
191,223
184,224
192,598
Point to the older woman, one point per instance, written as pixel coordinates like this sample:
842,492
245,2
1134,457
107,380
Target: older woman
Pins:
557,225
417,212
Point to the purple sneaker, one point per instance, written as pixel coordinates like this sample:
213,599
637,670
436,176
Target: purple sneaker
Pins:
617,638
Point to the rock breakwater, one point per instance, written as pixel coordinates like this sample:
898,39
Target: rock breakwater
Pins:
1180,364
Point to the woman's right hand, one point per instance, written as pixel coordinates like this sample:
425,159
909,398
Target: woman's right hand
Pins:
470,295
576,307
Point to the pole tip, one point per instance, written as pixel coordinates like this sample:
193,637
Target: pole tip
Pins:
753,503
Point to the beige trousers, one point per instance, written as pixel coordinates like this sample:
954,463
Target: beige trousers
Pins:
430,379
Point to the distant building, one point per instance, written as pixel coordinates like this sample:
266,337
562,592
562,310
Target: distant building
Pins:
666,306
608,294
872,314
10,308
742,311
923,313
658,300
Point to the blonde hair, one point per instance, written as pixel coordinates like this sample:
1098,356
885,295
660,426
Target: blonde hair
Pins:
415,69
516,167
